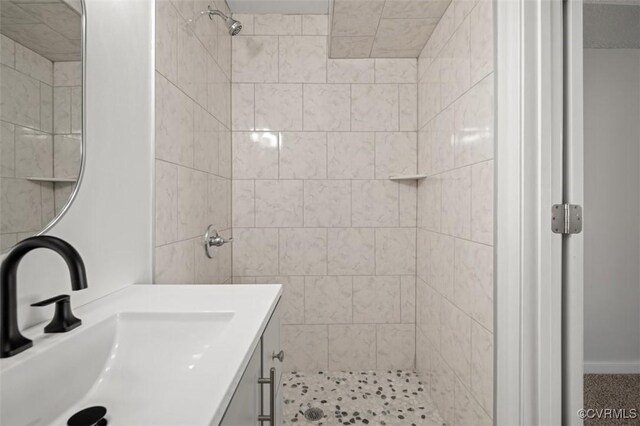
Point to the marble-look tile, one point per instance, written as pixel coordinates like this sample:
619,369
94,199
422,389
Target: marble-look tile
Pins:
351,47
482,202
396,70
247,22
278,106
255,59
192,65
461,10
167,21
7,240
174,124
374,107
351,251
272,24
61,194
473,283
395,154
255,155
328,300
205,141
61,110
33,153
219,202
21,205
441,141
374,203
303,59
429,304
303,155
243,103
33,65
255,251
430,203
67,155
395,251
423,354
218,93
46,109
67,73
278,203
442,388
292,297
351,155
429,93
376,300
441,265
224,153
207,270
192,210
455,66
473,124
186,8
352,347
315,25
166,202
7,149
467,410
408,119
350,71
407,193
356,18
314,338
327,107
24,95
396,346
482,366
7,51
408,299
403,34
303,251
327,203
416,9
423,254
175,263
456,340
76,110
243,199
456,203
481,40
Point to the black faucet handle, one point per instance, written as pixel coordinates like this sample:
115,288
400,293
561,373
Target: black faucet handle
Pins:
63,319
46,302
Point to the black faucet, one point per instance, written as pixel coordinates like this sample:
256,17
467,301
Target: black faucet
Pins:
12,342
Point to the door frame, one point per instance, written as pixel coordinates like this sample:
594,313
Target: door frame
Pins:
529,180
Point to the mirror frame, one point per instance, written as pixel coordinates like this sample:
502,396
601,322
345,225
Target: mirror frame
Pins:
83,143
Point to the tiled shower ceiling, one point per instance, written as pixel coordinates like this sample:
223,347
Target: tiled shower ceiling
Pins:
382,28
51,28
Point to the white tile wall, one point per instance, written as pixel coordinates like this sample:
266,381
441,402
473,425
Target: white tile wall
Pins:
454,286
193,144
314,142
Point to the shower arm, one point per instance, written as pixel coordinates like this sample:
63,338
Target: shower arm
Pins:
211,12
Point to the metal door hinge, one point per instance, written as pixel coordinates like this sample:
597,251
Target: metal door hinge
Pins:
566,218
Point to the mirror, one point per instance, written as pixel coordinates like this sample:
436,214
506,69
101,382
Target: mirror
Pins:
41,110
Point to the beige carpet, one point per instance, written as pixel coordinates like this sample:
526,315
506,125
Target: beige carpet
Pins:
615,391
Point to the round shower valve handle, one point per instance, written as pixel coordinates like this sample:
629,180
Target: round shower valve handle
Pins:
213,239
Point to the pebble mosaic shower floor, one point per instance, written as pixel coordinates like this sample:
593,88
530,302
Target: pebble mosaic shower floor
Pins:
348,398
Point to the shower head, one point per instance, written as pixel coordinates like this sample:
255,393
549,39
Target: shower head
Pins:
233,26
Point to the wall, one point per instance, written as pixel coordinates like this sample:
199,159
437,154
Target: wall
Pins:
455,214
612,153
26,138
193,142
314,142
110,227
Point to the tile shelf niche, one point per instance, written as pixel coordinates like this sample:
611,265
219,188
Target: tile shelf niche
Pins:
52,179
407,177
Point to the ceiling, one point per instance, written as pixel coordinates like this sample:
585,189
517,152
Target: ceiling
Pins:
52,28
284,7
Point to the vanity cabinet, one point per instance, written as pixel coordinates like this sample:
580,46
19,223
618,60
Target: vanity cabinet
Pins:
252,399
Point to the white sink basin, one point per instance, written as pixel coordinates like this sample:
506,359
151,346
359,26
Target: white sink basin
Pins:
147,368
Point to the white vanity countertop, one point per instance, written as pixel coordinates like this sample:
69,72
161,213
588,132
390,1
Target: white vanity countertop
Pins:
251,307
